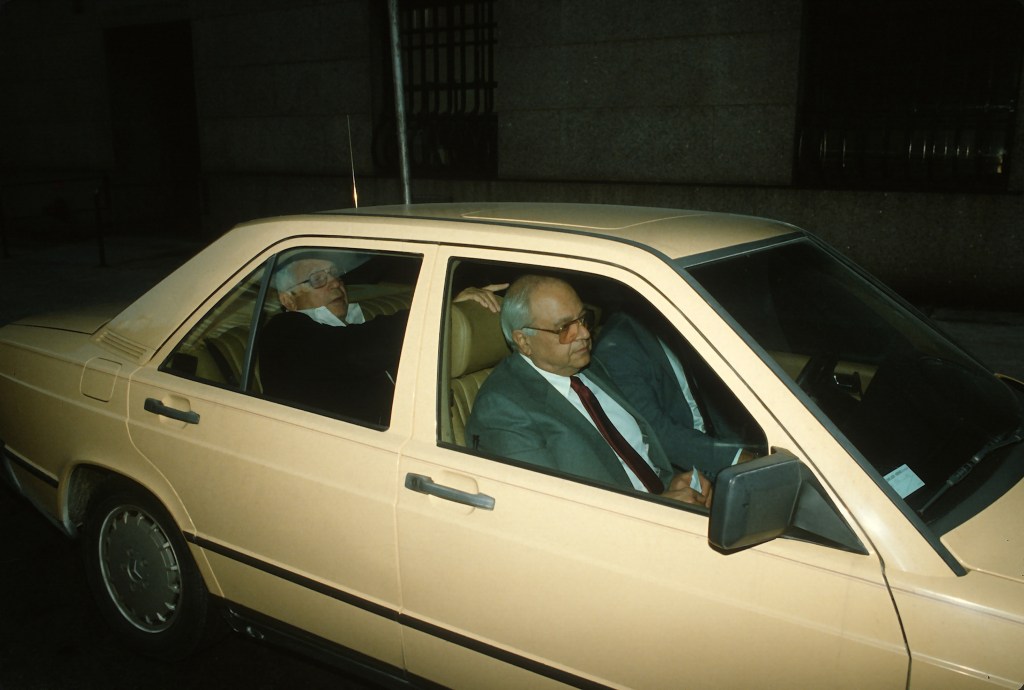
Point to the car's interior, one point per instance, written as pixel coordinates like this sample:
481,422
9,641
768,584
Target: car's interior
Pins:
216,349
474,345
866,366
222,348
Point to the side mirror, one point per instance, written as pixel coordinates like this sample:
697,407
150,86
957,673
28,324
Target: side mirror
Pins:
775,496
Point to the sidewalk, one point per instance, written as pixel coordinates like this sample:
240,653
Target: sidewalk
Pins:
67,275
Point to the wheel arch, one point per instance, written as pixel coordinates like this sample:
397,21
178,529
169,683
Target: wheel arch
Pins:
142,569
84,478
78,490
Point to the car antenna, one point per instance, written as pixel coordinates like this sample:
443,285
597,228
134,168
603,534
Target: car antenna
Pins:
352,162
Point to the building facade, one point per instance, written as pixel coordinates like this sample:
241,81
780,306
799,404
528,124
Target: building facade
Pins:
889,128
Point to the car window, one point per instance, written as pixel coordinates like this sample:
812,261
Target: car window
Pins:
316,328
684,411
214,350
333,333
920,411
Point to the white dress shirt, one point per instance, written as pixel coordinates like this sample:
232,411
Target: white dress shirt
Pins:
618,416
327,317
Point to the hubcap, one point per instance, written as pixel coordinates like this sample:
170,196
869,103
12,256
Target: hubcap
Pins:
140,568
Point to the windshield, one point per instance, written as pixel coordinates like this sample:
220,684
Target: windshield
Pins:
923,413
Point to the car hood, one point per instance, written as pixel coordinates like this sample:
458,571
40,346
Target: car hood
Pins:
993,540
87,320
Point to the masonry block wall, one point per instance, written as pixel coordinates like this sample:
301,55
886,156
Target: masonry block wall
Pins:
658,102
657,91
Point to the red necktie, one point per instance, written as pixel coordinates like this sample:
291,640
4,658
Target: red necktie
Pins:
621,447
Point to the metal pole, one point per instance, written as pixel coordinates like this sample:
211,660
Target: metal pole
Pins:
4,251
396,65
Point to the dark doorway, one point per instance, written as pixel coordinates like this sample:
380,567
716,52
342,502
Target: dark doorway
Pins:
156,177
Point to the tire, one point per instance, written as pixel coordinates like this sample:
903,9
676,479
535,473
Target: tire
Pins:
141,573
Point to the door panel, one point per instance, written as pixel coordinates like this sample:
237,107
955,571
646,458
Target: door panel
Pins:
580,584
295,510
584,579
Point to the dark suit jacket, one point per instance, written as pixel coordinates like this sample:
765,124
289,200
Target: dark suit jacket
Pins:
519,415
335,369
632,357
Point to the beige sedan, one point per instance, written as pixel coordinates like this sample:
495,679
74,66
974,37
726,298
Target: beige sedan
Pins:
231,449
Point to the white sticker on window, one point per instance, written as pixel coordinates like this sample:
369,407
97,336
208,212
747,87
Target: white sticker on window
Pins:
904,481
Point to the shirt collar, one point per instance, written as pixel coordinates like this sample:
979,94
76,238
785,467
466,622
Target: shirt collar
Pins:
326,316
561,383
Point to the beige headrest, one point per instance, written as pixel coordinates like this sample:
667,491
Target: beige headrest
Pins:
477,342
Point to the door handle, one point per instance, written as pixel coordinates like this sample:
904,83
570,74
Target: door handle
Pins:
425,485
156,407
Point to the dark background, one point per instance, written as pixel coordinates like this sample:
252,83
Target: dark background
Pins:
131,134
891,128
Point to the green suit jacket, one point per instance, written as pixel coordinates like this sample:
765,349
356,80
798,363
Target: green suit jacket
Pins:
632,357
519,415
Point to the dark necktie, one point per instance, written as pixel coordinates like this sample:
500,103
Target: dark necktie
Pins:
621,447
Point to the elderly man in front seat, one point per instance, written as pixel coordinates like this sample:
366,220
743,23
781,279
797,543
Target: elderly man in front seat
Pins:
538,406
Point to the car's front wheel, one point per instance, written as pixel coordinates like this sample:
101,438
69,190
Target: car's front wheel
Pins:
141,573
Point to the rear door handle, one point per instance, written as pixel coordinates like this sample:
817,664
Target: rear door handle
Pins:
425,485
156,407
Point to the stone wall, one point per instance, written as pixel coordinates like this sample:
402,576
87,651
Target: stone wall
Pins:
657,102
654,91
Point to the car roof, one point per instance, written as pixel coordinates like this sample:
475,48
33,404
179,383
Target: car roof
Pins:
143,327
671,232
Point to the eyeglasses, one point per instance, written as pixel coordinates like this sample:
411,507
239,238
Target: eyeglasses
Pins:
317,279
568,332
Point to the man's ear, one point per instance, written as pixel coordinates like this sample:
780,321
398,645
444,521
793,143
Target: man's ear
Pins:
287,301
522,342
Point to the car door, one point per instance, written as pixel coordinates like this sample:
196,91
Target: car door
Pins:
515,575
292,505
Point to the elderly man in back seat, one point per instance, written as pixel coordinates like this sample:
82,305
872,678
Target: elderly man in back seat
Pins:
321,353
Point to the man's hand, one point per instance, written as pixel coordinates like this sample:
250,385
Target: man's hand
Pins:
746,456
484,296
679,489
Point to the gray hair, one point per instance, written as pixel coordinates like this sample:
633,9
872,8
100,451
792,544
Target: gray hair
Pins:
285,275
285,278
515,309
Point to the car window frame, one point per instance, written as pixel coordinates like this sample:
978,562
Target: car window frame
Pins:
242,386
266,259
930,536
625,273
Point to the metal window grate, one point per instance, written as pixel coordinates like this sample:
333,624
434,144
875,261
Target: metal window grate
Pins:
448,72
911,94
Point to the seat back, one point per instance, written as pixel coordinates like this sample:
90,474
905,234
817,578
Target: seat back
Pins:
221,356
228,353
381,299
476,346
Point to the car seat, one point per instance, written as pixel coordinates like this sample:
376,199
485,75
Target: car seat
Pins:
476,346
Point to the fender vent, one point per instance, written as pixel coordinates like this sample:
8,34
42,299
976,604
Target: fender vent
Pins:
123,346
